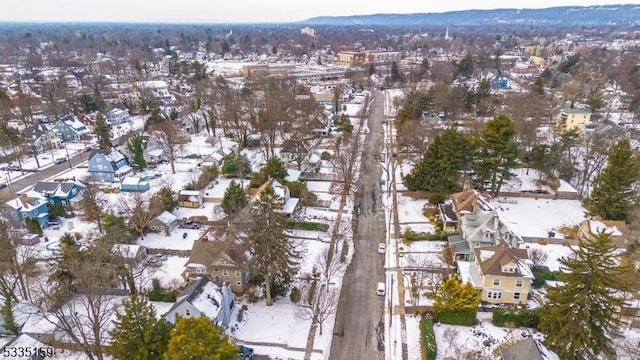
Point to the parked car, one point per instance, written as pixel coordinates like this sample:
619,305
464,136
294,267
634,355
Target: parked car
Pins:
382,248
60,160
380,289
190,225
245,353
3,185
13,168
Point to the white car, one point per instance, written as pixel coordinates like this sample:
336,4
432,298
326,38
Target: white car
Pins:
380,289
382,248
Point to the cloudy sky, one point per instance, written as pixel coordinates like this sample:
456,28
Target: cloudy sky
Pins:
246,10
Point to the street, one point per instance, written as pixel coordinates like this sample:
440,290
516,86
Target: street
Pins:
43,174
359,328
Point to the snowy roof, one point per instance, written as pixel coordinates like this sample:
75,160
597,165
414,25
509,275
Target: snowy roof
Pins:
293,175
130,180
596,227
114,156
25,341
166,217
492,259
467,274
125,169
290,206
27,201
156,152
190,192
204,295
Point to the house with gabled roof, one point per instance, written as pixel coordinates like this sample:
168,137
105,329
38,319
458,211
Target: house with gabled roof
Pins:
222,261
478,231
41,136
164,223
500,272
27,205
468,201
108,166
58,192
202,297
69,128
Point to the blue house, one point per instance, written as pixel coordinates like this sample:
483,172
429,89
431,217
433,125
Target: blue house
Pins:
203,297
69,128
58,192
108,166
27,205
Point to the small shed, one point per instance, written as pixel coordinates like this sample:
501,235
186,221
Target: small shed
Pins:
134,184
30,239
164,223
190,198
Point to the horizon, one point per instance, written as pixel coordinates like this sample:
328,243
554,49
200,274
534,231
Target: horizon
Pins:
147,12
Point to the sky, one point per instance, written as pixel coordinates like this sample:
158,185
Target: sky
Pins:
233,11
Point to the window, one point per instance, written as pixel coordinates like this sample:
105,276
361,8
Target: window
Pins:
199,270
238,283
496,282
225,272
516,296
216,270
495,295
238,273
187,312
518,283
509,270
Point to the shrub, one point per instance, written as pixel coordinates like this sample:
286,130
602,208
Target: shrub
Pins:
158,293
428,339
307,225
294,296
459,318
411,235
312,292
516,318
543,241
542,275
241,312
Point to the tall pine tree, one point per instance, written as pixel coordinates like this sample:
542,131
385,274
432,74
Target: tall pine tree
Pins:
580,318
498,153
234,199
613,194
447,157
135,147
102,131
273,256
138,334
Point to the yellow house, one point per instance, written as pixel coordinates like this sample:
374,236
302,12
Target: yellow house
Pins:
574,119
500,273
190,198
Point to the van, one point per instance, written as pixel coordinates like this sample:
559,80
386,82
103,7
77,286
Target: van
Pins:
380,290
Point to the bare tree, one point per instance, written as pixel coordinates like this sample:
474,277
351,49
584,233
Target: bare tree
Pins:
16,264
331,265
93,203
323,305
538,257
140,211
170,139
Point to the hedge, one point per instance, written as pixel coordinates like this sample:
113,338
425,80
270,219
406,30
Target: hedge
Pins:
516,318
458,318
421,236
542,275
307,225
428,339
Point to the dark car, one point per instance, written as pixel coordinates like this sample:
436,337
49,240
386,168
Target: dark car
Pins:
3,185
245,353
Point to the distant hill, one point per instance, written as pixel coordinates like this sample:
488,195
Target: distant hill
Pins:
566,15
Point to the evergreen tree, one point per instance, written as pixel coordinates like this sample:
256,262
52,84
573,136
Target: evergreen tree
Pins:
440,169
234,199
199,339
395,72
138,334
274,169
166,196
236,164
102,131
273,257
465,66
538,87
453,297
613,192
134,145
498,153
580,317
98,101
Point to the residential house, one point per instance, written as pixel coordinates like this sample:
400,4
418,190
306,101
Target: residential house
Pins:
283,196
27,205
527,349
21,312
222,261
89,120
588,229
134,184
203,297
478,231
117,116
468,201
500,272
69,128
42,137
573,119
164,223
58,192
293,151
190,198
134,254
108,166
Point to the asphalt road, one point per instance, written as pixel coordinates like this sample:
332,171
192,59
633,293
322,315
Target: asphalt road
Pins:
359,329
40,175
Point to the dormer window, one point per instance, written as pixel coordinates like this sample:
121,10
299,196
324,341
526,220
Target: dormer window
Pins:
509,269
487,235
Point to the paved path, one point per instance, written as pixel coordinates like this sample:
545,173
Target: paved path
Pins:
359,328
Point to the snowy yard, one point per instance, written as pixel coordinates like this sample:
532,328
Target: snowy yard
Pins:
175,240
